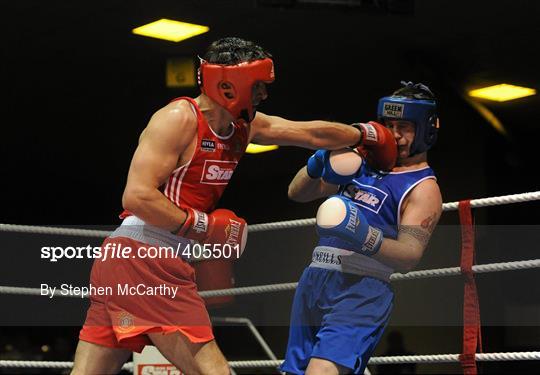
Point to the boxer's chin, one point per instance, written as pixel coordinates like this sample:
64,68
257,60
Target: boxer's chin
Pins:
403,152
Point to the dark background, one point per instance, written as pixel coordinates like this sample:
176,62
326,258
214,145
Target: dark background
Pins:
79,88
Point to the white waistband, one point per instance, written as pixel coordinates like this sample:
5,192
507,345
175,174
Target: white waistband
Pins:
136,229
341,260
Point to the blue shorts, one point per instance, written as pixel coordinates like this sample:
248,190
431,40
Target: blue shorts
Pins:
336,316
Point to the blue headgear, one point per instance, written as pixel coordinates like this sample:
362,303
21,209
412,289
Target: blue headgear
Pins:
422,112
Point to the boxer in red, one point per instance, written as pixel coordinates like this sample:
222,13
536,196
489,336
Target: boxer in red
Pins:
185,158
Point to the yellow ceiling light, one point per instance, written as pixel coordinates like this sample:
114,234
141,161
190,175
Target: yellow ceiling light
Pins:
502,92
257,149
174,31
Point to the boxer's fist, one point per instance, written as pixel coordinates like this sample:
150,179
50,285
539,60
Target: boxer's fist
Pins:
378,146
340,217
335,167
218,227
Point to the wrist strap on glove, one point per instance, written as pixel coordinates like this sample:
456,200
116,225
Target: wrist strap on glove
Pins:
357,125
373,241
196,225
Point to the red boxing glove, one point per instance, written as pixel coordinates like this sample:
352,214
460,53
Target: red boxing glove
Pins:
378,146
218,227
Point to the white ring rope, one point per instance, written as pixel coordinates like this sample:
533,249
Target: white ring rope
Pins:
423,274
386,360
49,364
496,201
447,358
54,230
479,268
435,358
257,289
451,206
288,224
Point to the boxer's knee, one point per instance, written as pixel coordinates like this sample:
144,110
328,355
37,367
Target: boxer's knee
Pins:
218,368
191,358
210,360
97,359
319,366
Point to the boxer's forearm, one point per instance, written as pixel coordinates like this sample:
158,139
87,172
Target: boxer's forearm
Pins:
305,189
314,135
153,208
399,255
333,136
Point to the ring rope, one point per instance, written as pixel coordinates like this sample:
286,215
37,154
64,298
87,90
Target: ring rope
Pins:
256,289
54,230
496,201
435,358
479,268
385,360
423,274
451,206
128,366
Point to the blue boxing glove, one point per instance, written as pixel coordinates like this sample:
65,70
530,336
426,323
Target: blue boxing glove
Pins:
315,164
335,167
340,217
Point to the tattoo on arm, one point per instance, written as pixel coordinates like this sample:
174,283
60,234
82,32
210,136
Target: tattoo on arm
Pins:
429,223
421,233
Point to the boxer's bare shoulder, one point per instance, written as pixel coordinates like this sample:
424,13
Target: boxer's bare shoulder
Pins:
176,119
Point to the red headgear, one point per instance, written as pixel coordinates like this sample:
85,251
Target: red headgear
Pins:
231,85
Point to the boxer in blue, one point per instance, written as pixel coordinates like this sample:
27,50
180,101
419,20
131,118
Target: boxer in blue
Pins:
382,209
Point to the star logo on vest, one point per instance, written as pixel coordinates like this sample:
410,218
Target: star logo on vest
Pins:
366,196
217,172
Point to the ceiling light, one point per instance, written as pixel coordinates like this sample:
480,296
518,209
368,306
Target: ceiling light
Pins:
502,92
174,31
257,149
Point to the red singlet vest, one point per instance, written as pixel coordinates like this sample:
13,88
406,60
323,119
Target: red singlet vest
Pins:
201,181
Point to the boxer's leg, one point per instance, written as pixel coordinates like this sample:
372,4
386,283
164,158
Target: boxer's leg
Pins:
97,359
305,322
319,366
190,358
358,311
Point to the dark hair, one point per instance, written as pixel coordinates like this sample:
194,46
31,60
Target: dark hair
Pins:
414,91
232,51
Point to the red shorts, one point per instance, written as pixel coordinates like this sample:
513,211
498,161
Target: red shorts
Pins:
134,297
